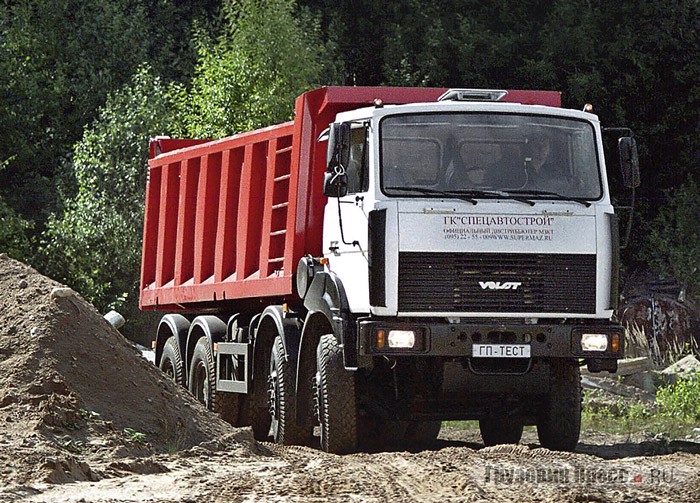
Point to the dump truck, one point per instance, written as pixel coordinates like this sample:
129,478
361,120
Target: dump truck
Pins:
389,259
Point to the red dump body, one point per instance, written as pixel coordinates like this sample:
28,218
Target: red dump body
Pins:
229,219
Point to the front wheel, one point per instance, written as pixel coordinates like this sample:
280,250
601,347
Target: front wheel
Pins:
559,420
335,399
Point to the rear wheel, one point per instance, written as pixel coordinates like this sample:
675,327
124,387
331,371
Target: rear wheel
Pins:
282,400
559,421
335,399
500,430
202,382
171,361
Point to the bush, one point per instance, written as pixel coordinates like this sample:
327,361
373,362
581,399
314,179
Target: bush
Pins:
682,399
95,246
14,229
250,75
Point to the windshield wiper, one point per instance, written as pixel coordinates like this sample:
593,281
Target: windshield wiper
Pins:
437,192
493,194
552,195
467,194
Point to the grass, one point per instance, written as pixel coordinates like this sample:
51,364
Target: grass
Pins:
638,344
175,436
462,425
72,445
134,436
674,413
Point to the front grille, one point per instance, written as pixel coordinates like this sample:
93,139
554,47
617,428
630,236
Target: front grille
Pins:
520,283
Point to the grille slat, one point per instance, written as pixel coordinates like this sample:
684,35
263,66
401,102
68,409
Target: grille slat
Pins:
450,282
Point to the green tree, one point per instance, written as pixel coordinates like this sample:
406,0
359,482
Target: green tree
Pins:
95,245
59,59
249,76
13,233
246,77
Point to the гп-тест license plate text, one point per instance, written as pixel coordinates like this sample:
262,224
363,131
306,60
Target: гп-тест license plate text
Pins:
501,351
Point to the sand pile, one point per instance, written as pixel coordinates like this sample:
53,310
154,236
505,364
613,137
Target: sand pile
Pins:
75,394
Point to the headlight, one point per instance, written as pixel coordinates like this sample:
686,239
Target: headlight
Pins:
404,339
594,342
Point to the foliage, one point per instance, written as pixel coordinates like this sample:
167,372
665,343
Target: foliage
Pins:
134,436
682,399
58,61
673,243
95,246
249,76
14,229
629,417
246,78
71,445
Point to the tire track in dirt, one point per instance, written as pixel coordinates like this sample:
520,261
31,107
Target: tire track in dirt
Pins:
445,475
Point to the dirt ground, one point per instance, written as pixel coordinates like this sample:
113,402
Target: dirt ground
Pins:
84,418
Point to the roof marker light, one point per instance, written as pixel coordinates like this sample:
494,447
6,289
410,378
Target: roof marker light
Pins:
473,95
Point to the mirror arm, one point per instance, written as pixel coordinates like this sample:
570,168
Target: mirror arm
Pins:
342,234
624,131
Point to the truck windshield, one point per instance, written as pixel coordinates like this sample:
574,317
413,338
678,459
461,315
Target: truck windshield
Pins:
489,155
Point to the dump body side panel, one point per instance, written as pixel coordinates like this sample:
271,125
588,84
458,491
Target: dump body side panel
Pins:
217,220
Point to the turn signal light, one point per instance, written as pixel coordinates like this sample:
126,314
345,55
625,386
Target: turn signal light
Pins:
381,339
615,343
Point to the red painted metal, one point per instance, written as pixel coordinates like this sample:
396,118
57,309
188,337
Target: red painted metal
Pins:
229,219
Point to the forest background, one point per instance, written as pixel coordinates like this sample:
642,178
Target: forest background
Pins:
84,85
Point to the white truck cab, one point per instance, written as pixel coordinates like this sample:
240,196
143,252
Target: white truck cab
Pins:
479,238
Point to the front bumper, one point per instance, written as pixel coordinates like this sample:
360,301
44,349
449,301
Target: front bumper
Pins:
442,339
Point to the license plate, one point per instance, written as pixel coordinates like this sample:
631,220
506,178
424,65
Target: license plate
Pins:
501,351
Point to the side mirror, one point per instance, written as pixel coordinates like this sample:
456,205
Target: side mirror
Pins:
629,162
335,184
338,146
335,181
